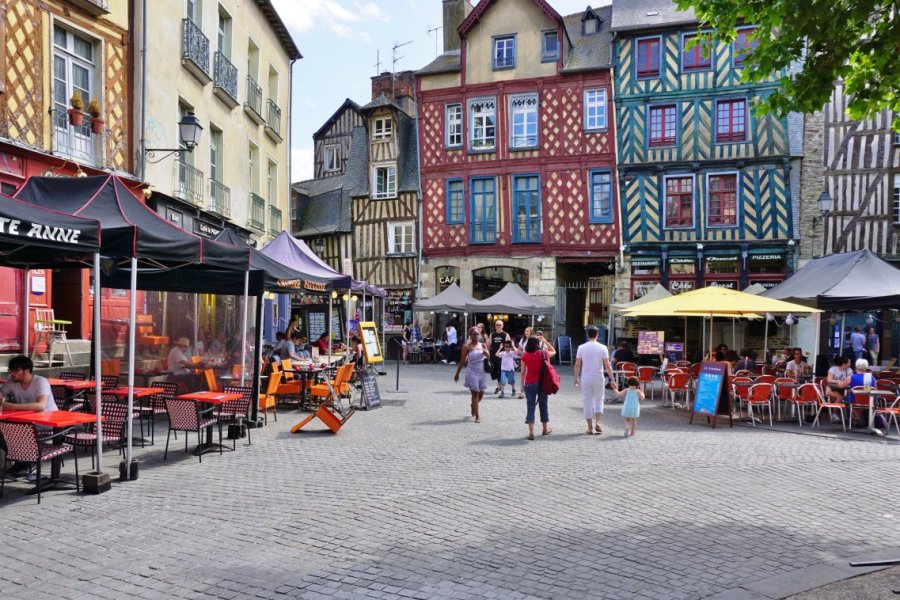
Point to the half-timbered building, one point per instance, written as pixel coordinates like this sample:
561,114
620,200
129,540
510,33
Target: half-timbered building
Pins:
517,158
706,196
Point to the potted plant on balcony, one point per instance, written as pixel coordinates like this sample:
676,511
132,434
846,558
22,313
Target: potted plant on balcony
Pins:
76,117
95,112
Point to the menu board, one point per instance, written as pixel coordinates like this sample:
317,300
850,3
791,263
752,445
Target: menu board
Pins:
371,396
315,324
712,397
651,342
371,346
564,349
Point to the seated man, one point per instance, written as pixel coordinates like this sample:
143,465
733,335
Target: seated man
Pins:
181,366
797,367
289,349
25,390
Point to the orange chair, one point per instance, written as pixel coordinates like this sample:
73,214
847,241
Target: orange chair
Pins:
679,382
760,397
766,379
647,375
145,336
784,391
339,385
211,383
890,413
807,390
267,400
683,364
741,387
287,369
860,403
806,396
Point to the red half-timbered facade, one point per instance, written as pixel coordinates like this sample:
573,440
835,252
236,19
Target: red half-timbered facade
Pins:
517,159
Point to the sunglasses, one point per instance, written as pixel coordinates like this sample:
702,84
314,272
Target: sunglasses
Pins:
11,371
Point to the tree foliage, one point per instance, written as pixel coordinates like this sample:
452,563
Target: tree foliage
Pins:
813,43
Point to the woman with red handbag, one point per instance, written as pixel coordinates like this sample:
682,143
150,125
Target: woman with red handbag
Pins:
532,362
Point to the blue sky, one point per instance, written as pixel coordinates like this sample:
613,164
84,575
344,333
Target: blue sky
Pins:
341,41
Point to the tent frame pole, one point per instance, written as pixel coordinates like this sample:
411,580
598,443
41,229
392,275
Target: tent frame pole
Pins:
132,316
98,371
27,326
244,326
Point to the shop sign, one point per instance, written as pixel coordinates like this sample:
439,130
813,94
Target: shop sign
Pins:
448,280
679,287
721,259
731,285
644,262
766,284
205,229
682,260
765,257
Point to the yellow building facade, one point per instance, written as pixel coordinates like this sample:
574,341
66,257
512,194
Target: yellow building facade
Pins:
229,63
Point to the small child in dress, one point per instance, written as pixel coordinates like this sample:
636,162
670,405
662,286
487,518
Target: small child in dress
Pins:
631,407
507,357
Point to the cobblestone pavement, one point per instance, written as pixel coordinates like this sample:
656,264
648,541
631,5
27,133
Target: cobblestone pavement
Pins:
414,500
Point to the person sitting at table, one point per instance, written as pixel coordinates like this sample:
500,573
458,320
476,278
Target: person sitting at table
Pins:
748,362
798,367
859,378
302,348
621,354
289,349
179,361
280,339
839,371
25,389
217,346
322,343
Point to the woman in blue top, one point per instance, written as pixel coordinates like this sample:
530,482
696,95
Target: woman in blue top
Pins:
860,378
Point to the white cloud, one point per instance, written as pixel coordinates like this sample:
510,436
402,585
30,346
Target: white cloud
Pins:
340,17
302,163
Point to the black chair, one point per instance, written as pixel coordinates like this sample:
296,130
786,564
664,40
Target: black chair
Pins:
25,445
234,412
72,376
185,415
158,403
112,429
109,381
63,400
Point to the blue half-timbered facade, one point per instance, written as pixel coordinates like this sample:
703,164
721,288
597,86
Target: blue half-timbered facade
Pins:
704,182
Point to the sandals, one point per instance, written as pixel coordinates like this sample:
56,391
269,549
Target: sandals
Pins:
548,432
598,429
530,437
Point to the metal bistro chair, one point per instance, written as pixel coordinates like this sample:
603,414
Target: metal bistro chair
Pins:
647,376
741,386
822,404
23,444
760,397
184,415
109,381
679,382
158,403
806,396
72,376
890,413
63,401
112,428
234,412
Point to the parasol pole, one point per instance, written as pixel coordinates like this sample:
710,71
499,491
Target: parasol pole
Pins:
244,325
841,343
766,340
27,331
818,320
131,334
684,355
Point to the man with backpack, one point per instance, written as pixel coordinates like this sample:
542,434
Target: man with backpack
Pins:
591,363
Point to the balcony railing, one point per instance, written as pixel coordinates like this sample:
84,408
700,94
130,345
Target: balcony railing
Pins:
257,212
195,50
188,183
219,198
253,105
275,226
226,79
273,120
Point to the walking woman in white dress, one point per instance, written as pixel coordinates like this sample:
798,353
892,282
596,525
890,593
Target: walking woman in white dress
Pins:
473,355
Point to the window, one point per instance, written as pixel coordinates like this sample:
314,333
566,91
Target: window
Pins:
679,201
526,209
454,125
662,125
483,228
193,9
594,109
731,120
523,119
505,52
482,124
333,158
648,57
401,238
896,199
721,205
743,45
549,46
384,181
601,197
73,71
272,183
723,265
253,167
697,57
590,25
223,33
384,127
215,153
897,139
455,202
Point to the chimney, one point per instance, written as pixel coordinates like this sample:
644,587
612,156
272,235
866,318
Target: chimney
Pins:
399,87
455,12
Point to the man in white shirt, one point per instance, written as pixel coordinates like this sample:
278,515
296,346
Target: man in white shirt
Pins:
27,391
452,341
591,360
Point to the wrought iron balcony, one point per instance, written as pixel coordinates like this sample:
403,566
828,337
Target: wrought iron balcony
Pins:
257,212
225,82
273,121
275,226
195,51
253,105
188,183
219,198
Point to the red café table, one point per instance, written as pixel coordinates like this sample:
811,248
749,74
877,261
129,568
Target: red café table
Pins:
309,373
213,399
58,420
139,392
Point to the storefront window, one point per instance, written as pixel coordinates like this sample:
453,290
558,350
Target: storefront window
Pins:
640,288
645,266
682,265
444,277
398,309
488,281
762,264
723,265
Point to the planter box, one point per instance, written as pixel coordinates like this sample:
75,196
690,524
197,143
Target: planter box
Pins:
95,483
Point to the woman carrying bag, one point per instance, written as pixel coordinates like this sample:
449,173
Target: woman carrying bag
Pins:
532,361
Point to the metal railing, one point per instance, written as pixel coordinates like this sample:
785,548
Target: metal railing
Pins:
219,198
273,117
527,230
226,76
194,45
188,183
254,96
275,226
257,218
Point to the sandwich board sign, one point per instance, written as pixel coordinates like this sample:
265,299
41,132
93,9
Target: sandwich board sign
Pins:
712,398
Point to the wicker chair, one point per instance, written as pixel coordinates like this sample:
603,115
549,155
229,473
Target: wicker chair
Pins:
112,429
184,415
72,376
234,412
23,444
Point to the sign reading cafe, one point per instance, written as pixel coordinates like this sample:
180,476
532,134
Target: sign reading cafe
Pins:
39,232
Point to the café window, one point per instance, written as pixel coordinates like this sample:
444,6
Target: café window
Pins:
488,281
764,264
645,266
682,265
723,265
444,277
640,288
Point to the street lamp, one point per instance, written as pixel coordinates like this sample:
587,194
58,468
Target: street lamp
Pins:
189,130
320,245
824,203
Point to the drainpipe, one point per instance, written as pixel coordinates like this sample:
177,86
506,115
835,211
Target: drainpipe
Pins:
419,195
142,159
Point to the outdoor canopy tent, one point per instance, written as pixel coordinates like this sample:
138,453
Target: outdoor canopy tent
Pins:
658,292
451,299
844,282
511,299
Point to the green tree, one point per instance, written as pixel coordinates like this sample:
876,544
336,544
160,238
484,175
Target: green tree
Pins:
857,41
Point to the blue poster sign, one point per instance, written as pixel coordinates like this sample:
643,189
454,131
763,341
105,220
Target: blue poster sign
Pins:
709,388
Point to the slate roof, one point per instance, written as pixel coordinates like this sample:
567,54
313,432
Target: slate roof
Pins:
380,102
357,173
407,161
348,104
630,15
448,62
278,26
588,51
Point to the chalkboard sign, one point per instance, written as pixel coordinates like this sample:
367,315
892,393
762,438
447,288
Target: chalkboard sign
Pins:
564,349
712,397
371,397
315,325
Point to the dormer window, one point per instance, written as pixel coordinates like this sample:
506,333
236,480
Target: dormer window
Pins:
590,22
384,127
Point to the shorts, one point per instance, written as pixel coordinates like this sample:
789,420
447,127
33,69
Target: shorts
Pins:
508,377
